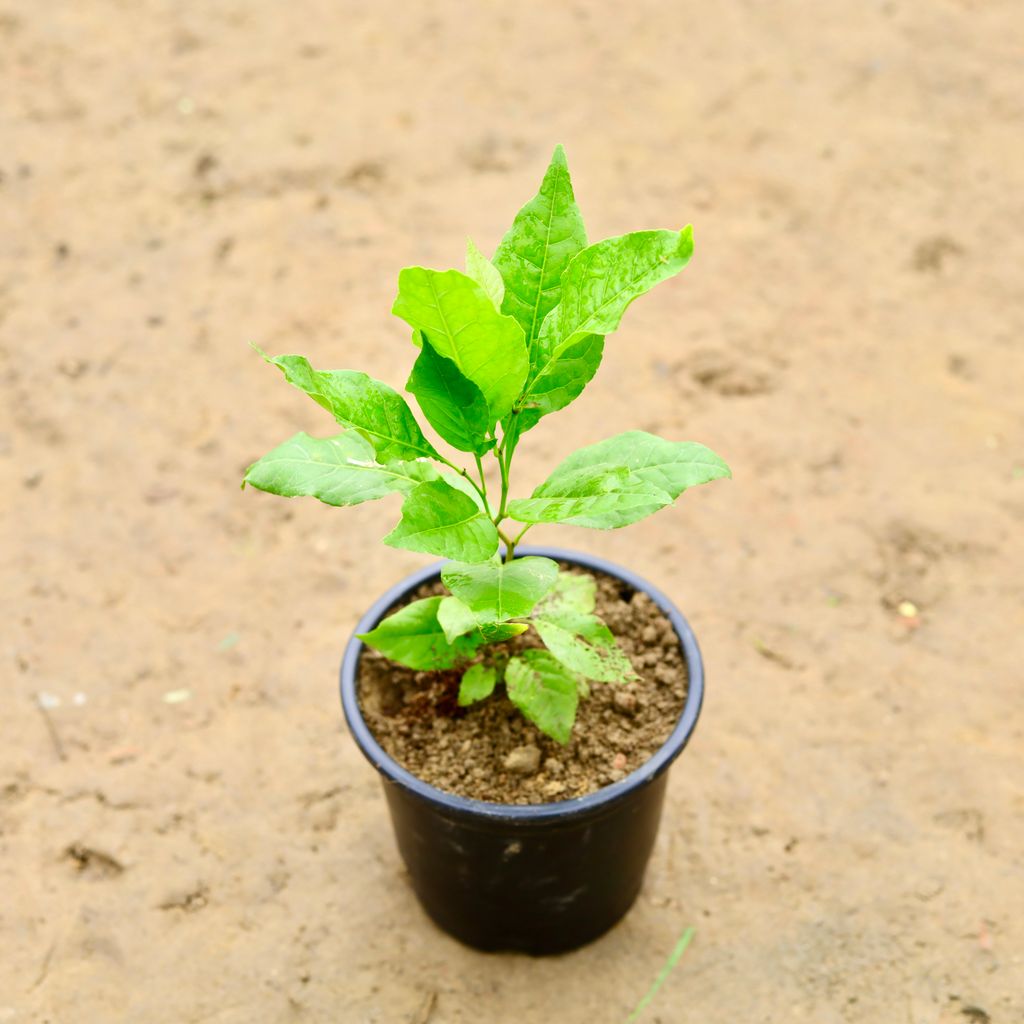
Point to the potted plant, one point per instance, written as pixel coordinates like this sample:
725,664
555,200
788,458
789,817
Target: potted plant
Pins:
522,740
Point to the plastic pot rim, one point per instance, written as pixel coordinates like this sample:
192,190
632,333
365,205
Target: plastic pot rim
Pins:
576,807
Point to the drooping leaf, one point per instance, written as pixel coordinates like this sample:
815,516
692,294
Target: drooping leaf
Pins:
462,324
619,481
545,691
453,405
412,636
572,593
597,288
338,470
584,644
485,273
377,411
477,683
496,592
437,519
603,499
545,235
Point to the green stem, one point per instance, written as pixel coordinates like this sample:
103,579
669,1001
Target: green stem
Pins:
483,482
464,473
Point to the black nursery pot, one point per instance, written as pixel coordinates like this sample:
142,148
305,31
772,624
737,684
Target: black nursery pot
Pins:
539,878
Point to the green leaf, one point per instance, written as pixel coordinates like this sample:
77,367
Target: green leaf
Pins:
597,288
670,466
412,636
545,235
454,405
455,618
619,481
602,500
572,593
437,519
338,470
378,412
545,691
496,592
584,644
477,683
462,324
485,273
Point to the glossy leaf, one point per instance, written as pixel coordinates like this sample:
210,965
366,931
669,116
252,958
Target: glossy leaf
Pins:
545,235
477,683
545,691
377,411
603,499
496,592
338,470
485,273
453,405
438,519
412,636
455,618
573,592
597,288
619,481
462,324
584,644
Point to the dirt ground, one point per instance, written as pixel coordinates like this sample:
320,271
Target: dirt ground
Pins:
177,180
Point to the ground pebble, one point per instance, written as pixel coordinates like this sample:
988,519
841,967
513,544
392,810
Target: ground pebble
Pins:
625,702
523,760
649,635
554,788
553,766
664,675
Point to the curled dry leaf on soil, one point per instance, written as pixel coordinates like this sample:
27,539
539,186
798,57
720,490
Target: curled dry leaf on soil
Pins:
497,348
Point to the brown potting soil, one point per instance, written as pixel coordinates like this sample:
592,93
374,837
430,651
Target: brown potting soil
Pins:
489,751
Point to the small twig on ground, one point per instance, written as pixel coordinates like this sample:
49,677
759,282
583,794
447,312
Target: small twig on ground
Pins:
50,727
673,958
423,1014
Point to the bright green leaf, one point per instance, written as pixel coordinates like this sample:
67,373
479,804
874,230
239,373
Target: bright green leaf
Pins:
378,412
462,324
670,466
412,636
619,481
455,618
603,499
496,592
477,683
573,592
453,405
584,644
545,691
338,470
545,235
485,273
597,288
437,519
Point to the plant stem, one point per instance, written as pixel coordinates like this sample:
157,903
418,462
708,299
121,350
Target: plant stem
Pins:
483,482
464,473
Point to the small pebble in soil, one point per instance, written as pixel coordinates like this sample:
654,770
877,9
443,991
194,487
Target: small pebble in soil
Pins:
619,763
523,760
553,766
625,702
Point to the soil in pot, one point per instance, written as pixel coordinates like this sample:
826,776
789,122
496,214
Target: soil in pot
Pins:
489,751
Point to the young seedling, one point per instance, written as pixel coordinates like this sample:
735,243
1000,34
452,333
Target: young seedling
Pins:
499,347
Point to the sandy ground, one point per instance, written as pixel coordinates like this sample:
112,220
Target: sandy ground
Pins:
177,180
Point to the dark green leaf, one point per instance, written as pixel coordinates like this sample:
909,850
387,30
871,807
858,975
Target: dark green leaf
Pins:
495,592
378,412
545,691
454,406
412,636
477,683
454,312
438,519
545,235
338,470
